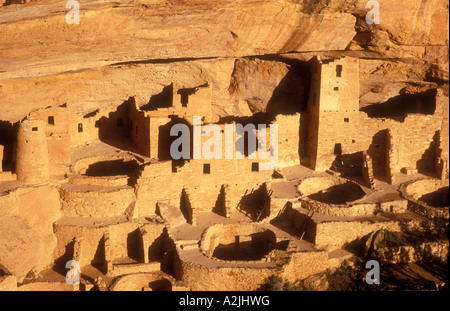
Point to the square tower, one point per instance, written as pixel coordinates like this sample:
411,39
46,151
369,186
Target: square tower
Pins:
333,110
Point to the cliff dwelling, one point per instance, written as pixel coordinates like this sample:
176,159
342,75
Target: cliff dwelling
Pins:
355,138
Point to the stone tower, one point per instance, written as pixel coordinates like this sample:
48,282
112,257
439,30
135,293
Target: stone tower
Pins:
333,110
32,162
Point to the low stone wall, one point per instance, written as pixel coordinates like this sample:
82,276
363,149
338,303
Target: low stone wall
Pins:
335,234
113,181
201,278
49,286
304,264
427,211
294,267
123,269
7,176
225,234
95,202
340,210
141,281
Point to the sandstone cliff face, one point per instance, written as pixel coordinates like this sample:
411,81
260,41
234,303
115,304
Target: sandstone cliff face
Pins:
26,229
18,252
135,48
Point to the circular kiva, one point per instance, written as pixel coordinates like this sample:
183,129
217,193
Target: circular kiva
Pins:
243,242
155,281
107,171
103,167
429,197
333,196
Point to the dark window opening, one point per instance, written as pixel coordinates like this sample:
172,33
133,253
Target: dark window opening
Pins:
346,120
185,93
119,122
80,127
338,149
206,168
34,129
97,123
336,88
338,71
353,141
51,120
184,100
255,167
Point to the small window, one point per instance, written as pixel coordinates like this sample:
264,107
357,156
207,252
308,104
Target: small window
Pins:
34,129
184,99
97,123
346,120
51,120
338,71
338,149
80,127
255,167
119,122
336,88
353,141
206,168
